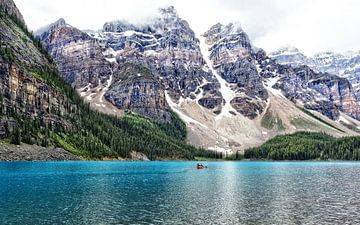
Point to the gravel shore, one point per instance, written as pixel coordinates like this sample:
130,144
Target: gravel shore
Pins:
25,152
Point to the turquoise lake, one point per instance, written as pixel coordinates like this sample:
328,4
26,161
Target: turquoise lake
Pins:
178,193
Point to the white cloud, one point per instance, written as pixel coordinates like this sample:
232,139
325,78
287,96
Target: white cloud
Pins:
310,25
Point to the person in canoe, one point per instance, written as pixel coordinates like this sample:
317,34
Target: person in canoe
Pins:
200,166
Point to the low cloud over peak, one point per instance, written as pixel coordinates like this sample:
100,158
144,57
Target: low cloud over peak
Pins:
310,25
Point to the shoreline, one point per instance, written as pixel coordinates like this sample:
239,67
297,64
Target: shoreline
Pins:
25,152
34,153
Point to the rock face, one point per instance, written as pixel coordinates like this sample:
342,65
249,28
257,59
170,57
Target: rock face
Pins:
78,56
231,81
312,81
10,7
138,156
82,61
345,65
168,47
322,92
27,95
23,91
233,58
136,89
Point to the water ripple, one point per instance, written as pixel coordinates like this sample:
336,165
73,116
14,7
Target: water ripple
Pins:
177,193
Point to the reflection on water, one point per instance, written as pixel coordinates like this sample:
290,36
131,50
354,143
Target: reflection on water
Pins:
178,193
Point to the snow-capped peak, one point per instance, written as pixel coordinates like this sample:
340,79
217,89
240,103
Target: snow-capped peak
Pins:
225,30
285,50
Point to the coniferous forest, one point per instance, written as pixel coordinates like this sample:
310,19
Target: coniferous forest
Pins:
307,146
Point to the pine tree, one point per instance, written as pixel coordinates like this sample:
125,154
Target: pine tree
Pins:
15,137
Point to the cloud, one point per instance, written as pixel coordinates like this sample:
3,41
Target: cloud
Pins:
310,25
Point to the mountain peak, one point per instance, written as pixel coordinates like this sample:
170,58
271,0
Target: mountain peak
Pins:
234,27
285,50
60,22
53,26
118,26
170,10
165,20
225,30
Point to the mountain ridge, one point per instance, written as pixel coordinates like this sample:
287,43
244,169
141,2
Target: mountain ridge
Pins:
230,94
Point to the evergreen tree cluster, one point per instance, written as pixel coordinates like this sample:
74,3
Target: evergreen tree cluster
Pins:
7,54
209,154
307,146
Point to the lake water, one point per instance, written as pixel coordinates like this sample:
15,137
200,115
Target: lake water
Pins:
177,193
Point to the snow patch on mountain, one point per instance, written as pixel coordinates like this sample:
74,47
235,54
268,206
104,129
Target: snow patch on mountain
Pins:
225,90
183,116
269,83
107,86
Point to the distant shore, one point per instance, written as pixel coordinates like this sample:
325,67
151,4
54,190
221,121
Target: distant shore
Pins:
25,152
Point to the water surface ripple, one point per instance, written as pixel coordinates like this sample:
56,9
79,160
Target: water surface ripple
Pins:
177,193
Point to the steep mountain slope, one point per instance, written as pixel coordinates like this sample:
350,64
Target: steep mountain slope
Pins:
231,55
70,47
325,93
345,65
10,8
37,106
135,88
320,91
85,62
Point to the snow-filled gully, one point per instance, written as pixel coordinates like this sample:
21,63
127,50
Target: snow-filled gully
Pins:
225,90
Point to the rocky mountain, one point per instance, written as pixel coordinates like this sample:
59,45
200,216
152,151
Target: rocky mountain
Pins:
346,65
135,88
232,58
168,47
38,106
83,62
78,56
322,92
230,94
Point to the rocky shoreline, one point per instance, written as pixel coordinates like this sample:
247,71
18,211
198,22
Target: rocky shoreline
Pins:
25,152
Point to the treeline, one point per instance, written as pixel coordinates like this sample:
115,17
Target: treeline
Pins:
307,146
88,133
209,154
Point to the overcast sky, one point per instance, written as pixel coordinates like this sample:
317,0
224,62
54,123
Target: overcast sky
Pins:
310,25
